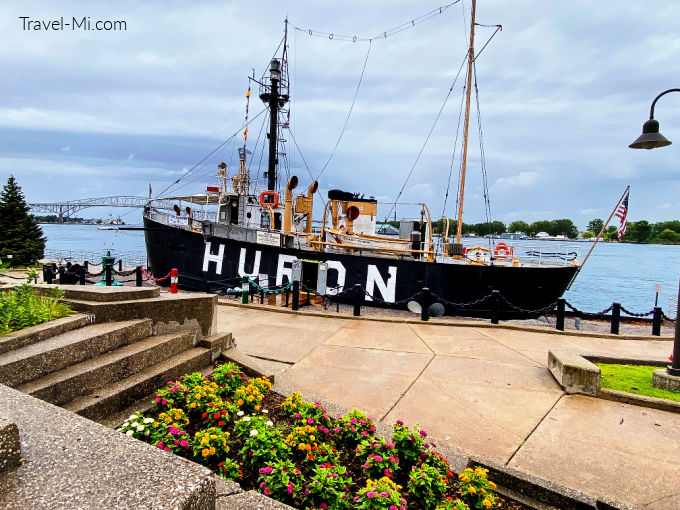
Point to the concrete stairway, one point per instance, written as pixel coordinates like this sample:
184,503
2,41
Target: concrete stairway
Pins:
106,370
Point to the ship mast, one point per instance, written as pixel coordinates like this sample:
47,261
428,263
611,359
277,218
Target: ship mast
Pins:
275,99
471,58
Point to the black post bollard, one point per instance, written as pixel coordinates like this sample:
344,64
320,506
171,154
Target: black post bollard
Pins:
287,296
495,306
559,321
47,273
656,321
108,274
674,367
207,286
86,265
138,276
358,298
120,265
81,276
296,294
425,304
616,318
261,296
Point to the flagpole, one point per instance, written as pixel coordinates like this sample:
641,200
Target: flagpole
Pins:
604,227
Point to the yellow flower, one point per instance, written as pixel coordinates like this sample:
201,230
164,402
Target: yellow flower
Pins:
193,405
472,490
492,485
257,407
312,438
486,503
240,402
205,452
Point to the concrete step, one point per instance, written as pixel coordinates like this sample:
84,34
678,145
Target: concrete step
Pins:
142,405
85,377
102,293
60,351
109,400
38,333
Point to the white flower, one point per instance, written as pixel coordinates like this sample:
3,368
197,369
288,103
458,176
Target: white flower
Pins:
124,425
140,428
269,423
240,413
246,418
129,432
132,417
146,432
253,433
148,420
264,411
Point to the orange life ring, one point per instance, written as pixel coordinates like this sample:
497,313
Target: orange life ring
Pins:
502,251
273,194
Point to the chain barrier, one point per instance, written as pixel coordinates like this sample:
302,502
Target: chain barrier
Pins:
125,273
667,318
155,280
275,290
539,311
94,263
651,312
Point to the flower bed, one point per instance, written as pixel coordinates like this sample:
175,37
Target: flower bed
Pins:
295,452
21,307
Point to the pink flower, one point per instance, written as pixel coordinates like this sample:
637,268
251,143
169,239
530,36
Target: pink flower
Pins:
378,458
372,427
164,402
367,465
370,494
266,470
158,399
423,433
399,422
384,495
364,433
184,443
298,415
172,390
363,422
310,421
160,445
336,430
263,485
356,498
167,449
393,507
323,506
266,491
353,421
290,488
388,473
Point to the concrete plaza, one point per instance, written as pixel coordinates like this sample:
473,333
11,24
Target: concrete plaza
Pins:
480,389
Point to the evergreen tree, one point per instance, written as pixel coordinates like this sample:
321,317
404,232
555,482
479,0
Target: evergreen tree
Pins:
20,235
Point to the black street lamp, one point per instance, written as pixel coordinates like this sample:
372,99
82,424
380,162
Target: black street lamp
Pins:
651,139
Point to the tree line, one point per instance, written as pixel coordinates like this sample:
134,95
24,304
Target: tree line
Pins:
663,232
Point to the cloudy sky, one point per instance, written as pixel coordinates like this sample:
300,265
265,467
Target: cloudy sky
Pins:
563,90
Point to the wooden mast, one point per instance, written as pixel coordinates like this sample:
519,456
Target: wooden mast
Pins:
471,58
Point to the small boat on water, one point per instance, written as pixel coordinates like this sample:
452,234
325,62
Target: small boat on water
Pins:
264,231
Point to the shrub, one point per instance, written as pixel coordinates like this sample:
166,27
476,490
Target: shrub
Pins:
378,457
212,442
410,444
22,307
228,377
354,427
329,487
137,426
427,485
476,488
380,494
281,480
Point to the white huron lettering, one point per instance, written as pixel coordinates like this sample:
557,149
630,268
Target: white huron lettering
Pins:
337,265
282,270
242,264
209,257
387,289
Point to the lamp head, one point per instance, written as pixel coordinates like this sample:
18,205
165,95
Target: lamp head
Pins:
650,137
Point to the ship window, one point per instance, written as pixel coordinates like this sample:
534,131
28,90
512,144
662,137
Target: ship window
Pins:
264,220
223,214
277,221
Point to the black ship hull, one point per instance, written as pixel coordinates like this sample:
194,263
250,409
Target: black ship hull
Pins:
215,263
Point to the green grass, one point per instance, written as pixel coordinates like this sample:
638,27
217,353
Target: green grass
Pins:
22,307
634,379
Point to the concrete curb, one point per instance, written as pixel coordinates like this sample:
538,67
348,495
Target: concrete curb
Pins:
10,447
577,373
454,324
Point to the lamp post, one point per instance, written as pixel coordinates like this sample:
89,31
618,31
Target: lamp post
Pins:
651,139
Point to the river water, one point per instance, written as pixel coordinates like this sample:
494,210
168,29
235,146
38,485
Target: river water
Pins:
625,273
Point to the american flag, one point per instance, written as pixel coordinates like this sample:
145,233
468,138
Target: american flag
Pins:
622,213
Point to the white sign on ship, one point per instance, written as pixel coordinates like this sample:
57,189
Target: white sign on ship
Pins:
268,238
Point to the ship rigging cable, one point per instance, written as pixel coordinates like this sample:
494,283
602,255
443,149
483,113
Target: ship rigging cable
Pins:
383,35
485,180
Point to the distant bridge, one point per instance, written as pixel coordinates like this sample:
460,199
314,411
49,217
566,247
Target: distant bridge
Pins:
67,209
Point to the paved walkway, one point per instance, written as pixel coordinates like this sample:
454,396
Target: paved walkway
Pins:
484,390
